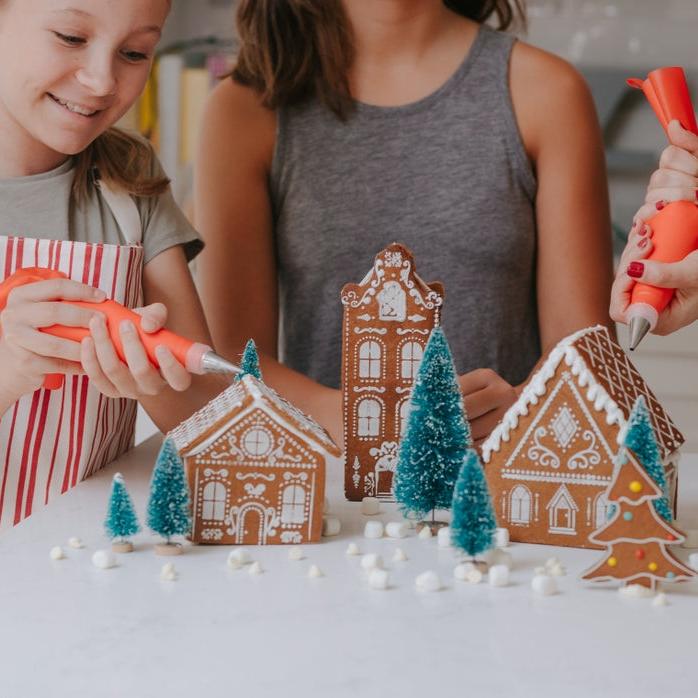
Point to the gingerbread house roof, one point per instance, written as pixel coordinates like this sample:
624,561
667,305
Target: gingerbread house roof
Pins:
612,384
207,424
429,296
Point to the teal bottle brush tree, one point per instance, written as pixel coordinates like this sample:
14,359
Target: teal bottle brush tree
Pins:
436,436
250,362
169,512
121,521
473,523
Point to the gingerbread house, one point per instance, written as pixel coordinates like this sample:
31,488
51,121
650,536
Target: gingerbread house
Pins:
549,461
256,468
388,318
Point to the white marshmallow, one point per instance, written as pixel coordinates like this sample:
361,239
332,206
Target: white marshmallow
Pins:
372,561
314,572
331,526
396,529
75,543
498,576
238,558
555,568
399,555
255,568
468,572
295,553
425,533
56,553
373,529
501,537
168,573
636,591
378,579
444,537
353,549
428,581
104,559
543,585
660,599
370,506
693,561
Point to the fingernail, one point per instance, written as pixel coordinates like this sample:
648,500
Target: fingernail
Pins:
635,270
635,222
643,230
643,243
660,205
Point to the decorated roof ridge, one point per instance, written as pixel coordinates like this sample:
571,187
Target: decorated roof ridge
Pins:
536,388
213,416
396,254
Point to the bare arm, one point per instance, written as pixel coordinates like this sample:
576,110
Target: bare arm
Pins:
237,273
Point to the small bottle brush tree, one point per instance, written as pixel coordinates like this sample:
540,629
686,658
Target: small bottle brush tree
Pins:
168,506
473,525
250,362
121,521
436,436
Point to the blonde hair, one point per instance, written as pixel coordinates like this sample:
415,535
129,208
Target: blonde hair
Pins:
123,160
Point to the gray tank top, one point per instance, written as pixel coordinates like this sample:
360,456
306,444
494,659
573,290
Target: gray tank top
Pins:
447,176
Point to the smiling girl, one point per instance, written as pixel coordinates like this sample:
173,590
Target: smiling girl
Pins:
80,196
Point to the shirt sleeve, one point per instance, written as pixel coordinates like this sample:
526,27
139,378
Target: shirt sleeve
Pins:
164,223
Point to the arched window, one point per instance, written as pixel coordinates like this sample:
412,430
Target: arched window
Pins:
369,414
213,505
410,358
602,510
404,412
293,505
370,359
520,505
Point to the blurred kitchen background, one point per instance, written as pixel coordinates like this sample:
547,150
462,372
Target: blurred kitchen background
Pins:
607,41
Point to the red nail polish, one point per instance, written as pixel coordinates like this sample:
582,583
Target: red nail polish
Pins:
635,270
643,243
660,205
643,230
635,222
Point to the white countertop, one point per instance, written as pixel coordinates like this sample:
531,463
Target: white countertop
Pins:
70,629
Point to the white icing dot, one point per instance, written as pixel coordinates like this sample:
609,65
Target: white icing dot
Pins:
468,572
660,599
425,533
498,576
238,558
331,526
370,506
636,591
396,529
543,585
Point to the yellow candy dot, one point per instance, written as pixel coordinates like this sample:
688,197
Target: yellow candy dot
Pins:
635,486
652,567
612,562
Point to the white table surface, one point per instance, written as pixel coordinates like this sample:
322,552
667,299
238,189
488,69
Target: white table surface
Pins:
70,629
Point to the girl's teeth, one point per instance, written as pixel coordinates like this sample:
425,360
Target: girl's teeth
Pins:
76,108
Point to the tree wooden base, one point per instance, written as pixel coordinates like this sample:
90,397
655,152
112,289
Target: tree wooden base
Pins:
122,546
434,526
168,549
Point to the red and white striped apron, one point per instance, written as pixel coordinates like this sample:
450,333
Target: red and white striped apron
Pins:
52,439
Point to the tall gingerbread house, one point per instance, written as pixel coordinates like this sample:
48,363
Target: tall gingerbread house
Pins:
549,461
256,468
388,318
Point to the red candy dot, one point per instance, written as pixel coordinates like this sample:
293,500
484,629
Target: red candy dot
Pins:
639,553
670,536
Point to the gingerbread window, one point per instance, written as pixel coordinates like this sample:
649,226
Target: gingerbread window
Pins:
213,505
293,505
520,505
410,357
369,417
370,355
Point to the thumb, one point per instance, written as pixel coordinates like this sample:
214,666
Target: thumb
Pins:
153,317
682,138
683,274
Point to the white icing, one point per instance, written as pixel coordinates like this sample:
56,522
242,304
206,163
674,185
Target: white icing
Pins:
501,537
56,553
372,561
636,591
428,581
396,529
498,576
399,555
425,533
444,537
543,585
255,568
168,573
378,579
370,506
104,559
353,549
373,529
331,526
295,553
76,543
314,572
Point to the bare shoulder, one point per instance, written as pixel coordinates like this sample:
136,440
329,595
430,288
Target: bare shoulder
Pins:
235,118
547,90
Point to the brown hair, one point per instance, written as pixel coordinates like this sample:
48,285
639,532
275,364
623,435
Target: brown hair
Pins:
292,50
123,160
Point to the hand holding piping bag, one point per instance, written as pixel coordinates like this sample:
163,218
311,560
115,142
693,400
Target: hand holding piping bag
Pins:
197,358
674,229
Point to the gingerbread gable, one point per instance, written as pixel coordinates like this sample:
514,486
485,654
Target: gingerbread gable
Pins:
256,468
388,318
550,459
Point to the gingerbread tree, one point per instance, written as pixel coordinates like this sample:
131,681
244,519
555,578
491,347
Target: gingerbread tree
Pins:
637,537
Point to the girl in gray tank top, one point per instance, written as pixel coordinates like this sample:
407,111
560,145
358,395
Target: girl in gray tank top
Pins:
452,173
